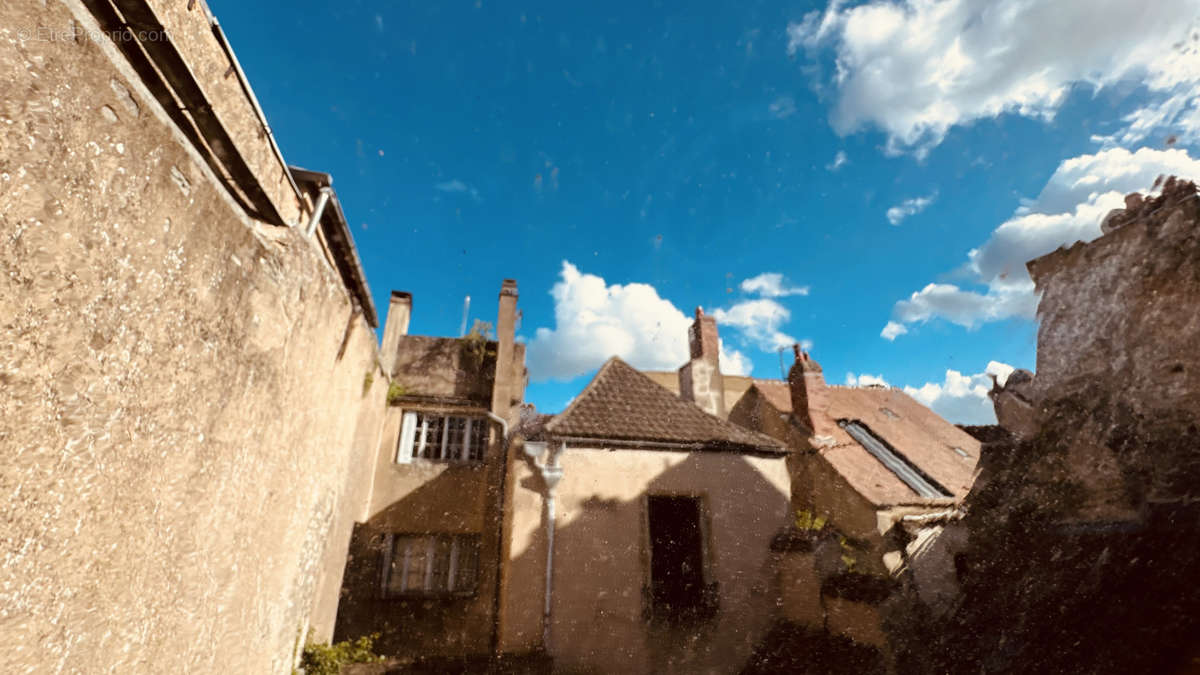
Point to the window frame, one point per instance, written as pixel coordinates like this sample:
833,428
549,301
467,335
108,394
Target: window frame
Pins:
458,545
471,432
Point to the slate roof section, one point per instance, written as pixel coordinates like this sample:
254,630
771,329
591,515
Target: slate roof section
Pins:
915,432
622,404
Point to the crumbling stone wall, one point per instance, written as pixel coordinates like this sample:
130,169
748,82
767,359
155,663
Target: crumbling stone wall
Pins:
184,389
1084,530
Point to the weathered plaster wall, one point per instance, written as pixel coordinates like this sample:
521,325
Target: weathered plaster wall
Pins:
446,368
422,497
178,430
1084,534
800,589
601,559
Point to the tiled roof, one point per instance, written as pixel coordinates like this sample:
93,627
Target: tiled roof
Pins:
776,393
622,404
912,430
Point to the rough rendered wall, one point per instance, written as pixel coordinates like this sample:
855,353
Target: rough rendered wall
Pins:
601,559
423,496
176,425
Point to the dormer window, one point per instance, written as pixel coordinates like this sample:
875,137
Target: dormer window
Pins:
441,438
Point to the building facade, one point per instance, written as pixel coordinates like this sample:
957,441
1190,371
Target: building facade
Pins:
424,567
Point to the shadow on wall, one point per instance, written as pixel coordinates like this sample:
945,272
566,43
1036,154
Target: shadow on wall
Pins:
603,614
453,502
447,368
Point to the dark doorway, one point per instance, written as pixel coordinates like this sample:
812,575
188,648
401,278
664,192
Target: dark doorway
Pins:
676,557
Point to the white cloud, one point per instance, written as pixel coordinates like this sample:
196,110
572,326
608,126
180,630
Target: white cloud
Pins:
1069,209
916,68
782,107
456,186
839,160
865,380
595,321
963,399
892,330
963,307
909,207
771,285
759,321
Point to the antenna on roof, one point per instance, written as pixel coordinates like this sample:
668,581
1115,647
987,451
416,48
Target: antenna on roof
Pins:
782,373
462,328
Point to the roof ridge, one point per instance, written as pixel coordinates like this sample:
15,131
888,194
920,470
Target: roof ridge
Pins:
622,398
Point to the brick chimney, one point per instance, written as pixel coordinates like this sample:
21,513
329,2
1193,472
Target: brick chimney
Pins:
700,380
506,376
399,312
809,394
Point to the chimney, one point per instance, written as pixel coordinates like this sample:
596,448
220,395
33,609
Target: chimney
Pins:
506,378
700,380
399,312
809,394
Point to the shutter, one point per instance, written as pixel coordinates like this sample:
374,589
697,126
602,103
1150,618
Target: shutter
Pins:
408,430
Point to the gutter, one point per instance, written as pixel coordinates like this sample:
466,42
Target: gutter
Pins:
720,446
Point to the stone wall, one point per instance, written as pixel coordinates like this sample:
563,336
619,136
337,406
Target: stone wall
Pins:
185,390
1084,531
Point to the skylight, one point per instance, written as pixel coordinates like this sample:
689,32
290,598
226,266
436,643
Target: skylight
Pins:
906,472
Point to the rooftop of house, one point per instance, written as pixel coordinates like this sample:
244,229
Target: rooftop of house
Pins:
340,240
625,406
938,449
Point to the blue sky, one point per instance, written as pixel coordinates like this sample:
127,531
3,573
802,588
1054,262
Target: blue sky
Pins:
670,152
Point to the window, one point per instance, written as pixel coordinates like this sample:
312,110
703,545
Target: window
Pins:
430,564
911,475
444,438
678,591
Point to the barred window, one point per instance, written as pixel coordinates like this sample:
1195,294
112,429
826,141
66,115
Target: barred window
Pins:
430,564
445,438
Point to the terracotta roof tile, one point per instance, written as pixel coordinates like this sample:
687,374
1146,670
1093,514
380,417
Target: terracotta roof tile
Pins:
621,403
777,394
914,431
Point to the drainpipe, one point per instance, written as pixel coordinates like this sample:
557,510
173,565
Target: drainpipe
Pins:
500,536
503,426
551,474
319,209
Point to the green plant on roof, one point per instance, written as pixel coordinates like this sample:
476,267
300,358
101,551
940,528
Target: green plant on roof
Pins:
475,343
809,521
